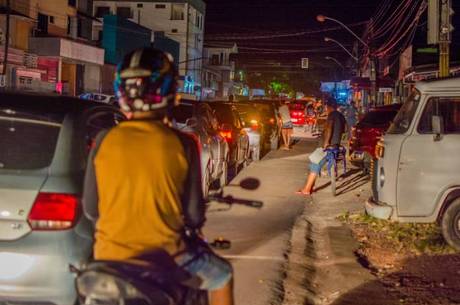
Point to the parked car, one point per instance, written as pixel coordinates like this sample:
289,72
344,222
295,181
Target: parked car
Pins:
366,134
270,119
254,127
416,176
44,144
297,111
232,129
100,97
197,118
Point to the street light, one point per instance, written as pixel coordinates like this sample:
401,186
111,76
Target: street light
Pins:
327,39
322,18
335,60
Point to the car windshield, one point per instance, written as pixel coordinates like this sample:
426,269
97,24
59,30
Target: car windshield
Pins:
267,110
405,115
247,112
28,139
297,106
376,118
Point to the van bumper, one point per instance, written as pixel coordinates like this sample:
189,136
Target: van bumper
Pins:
378,210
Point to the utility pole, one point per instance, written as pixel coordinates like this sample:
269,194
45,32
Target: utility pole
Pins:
7,40
445,31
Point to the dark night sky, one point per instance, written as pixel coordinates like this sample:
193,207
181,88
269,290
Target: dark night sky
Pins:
239,18
260,17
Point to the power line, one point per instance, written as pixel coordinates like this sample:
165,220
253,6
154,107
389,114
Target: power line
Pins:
238,36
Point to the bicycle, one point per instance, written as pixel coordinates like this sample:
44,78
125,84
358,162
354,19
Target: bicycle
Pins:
334,155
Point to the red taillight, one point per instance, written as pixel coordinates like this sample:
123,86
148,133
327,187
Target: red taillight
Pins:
227,135
52,211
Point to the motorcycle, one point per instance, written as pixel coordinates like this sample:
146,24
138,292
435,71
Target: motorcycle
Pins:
151,279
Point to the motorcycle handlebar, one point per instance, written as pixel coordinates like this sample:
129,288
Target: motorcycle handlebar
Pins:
232,200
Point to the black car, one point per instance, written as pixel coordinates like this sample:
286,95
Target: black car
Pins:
231,128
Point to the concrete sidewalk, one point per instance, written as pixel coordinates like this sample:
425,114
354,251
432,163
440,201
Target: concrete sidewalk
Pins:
260,238
322,267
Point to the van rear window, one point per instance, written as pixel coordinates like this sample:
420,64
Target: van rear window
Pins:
27,140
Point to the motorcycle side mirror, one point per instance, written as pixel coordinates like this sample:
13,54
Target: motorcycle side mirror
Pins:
250,184
191,122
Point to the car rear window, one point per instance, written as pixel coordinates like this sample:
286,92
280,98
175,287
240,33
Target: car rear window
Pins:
182,113
27,139
297,107
378,117
224,114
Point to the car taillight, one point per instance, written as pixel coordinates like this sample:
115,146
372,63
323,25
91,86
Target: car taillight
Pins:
254,124
53,211
227,135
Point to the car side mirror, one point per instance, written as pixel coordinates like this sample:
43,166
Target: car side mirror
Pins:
191,122
438,127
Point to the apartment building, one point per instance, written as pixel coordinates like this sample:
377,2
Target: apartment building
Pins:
52,36
180,20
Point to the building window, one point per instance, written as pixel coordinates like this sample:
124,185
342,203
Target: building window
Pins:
140,5
101,11
69,25
160,6
51,19
124,12
199,21
197,41
72,3
42,24
174,31
178,12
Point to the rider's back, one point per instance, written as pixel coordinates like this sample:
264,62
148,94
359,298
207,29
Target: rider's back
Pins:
140,170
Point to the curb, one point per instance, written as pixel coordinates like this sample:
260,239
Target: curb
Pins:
299,266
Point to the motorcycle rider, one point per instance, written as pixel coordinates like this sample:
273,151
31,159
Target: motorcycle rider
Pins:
143,182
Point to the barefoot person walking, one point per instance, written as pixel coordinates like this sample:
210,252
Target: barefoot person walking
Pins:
335,127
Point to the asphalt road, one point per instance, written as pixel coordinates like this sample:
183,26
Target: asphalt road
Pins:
260,238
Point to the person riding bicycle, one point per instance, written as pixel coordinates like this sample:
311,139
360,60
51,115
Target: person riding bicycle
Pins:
143,183
336,126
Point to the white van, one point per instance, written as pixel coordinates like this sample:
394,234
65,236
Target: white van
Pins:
416,177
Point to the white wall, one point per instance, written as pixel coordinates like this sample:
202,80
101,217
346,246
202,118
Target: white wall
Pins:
92,78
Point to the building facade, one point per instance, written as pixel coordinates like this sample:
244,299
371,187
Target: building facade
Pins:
219,73
58,55
179,20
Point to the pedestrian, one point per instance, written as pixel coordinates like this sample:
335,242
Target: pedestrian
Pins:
335,127
287,127
351,115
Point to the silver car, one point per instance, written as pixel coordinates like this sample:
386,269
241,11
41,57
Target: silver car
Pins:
43,149
197,118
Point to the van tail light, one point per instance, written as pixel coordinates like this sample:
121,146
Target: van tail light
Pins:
53,211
